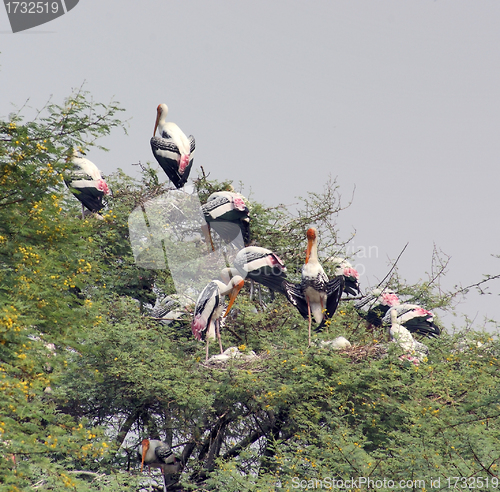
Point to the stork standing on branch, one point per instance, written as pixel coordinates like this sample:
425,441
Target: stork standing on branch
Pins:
315,296
85,182
172,149
228,214
209,309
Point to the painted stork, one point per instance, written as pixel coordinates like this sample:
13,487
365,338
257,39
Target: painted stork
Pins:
228,214
373,306
412,348
85,182
351,275
209,308
315,295
172,149
261,265
414,318
157,454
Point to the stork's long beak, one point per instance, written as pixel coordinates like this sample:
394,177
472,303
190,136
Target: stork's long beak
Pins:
145,447
156,123
144,451
309,247
234,294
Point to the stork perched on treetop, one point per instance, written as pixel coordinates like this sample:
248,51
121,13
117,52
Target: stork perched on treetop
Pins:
157,454
414,318
172,149
315,295
260,265
85,182
228,214
413,350
209,308
351,275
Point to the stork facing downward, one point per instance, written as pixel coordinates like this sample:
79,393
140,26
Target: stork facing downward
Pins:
315,295
172,149
351,275
228,214
157,454
85,182
259,265
209,308
415,319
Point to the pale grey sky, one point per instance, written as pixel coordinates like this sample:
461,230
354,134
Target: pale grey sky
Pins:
398,98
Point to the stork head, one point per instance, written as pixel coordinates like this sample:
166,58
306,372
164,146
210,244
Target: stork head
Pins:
145,447
311,239
343,267
75,153
237,283
161,114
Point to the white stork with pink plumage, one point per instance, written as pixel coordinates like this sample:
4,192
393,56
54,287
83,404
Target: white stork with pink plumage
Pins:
209,308
172,149
227,213
84,180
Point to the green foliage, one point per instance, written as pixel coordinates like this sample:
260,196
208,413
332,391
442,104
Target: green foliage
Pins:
86,372
44,261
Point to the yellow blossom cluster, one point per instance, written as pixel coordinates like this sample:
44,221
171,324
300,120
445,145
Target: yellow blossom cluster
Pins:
8,321
29,256
85,266
68,481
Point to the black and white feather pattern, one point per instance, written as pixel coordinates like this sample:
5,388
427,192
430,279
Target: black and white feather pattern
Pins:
84,180
205,314
296,294
166,310
165,454
168,156
262,266
227,213
415,319
373,306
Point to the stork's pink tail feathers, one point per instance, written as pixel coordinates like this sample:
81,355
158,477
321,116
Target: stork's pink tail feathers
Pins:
197,326
102,186
183,163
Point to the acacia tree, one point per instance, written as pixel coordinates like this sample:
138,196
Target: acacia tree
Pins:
74,412
293,413
44,262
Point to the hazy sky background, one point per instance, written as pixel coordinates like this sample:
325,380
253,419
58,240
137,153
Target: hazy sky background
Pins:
397,98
